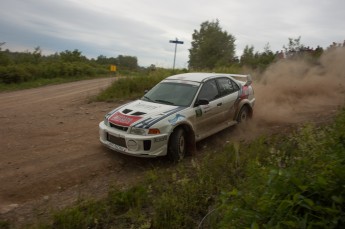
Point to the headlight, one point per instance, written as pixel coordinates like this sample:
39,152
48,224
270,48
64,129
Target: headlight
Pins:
138,131
106,119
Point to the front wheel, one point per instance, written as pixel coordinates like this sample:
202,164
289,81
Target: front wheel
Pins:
177,145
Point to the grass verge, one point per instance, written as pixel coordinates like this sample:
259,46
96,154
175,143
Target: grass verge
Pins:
132,87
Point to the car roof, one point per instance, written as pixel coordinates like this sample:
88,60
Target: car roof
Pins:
200,76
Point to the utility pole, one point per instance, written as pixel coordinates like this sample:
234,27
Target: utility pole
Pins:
176,41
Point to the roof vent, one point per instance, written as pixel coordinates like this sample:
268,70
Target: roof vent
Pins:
138,113
126,111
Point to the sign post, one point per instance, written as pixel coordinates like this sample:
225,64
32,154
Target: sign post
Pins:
176,41
113,69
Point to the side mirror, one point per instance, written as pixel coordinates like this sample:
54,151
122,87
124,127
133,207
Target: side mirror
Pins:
201,102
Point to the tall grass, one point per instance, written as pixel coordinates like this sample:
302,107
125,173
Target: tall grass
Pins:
132,87
296,182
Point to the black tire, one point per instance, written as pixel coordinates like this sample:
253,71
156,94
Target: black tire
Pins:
243,115
177,145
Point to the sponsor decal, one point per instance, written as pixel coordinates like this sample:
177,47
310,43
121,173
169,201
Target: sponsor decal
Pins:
198,112
178,118
123,120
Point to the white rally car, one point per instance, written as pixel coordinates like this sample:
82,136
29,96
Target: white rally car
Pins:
179,111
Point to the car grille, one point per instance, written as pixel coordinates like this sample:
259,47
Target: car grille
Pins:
122,128
116,140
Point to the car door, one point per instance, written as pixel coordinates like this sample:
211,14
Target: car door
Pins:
208,116
228,90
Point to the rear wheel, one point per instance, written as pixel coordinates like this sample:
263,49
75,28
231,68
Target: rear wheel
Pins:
243,115
177,145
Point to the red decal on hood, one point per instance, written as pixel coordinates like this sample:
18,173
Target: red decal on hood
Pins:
123,120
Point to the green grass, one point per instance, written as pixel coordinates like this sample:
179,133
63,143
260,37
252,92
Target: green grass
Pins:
285,181
133,87
4,224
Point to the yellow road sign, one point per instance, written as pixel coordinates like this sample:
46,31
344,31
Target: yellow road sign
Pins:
113,68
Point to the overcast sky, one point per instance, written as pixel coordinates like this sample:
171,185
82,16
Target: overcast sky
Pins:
143,28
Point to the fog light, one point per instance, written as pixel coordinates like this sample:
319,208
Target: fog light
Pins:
132,145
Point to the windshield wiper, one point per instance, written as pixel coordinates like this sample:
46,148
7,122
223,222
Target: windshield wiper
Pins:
164,101
147,98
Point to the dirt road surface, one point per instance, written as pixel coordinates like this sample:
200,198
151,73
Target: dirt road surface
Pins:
50,155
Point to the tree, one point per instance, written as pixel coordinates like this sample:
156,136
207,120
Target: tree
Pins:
211,47
37,54
105,60
248,57
127,62
294,47
1,44
72,56
257,60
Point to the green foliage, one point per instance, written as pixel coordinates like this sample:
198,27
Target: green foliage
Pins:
127,62
4,224
122,62
295,183
22,67
211,47
232,69
294,45
72,56
19,73
257,60
133,86
183,197
120,206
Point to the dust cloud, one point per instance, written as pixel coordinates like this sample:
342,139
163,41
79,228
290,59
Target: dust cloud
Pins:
294,91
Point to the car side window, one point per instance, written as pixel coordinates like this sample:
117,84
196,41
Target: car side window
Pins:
227,86
235,85
209,91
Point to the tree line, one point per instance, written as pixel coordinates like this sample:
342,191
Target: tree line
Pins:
211,48
18,67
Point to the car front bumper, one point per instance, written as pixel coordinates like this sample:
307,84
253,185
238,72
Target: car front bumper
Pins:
134,145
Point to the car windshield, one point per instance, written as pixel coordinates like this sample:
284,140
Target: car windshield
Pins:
177,94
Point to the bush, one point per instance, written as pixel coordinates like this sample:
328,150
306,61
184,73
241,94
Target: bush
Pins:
296,183
131,87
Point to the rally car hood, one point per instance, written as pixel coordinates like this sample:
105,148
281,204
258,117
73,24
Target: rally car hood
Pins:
142,114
